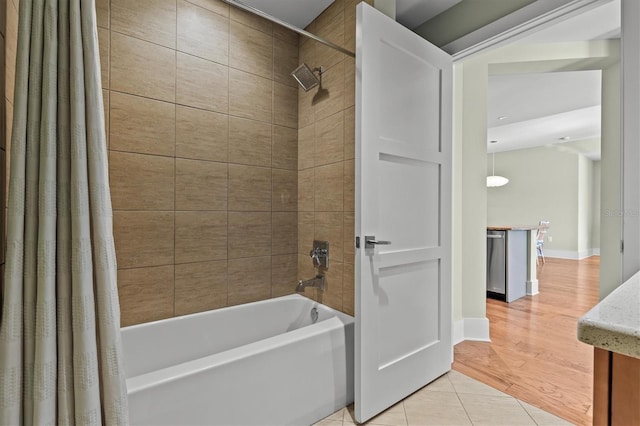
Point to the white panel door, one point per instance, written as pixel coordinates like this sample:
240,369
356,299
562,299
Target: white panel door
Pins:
403,195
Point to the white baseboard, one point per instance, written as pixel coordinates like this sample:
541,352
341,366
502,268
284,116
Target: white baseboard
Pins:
572,255
475,329
532,288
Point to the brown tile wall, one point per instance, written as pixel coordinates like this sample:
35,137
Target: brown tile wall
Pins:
326,152
202,129
218,175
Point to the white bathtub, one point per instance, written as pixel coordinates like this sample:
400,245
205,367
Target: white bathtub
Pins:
263,363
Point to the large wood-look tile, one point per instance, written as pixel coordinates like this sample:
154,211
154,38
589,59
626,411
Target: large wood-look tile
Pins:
306,231
284,231
201,236
249,234
306,196
203,33
106,106
249,142
329,227
281,33
349,82
331,27
284,148
306,271
143,238
349,178
249,188
251,19
202,84
146,294
285,60
150,20
350,25
249,279
104,39
306,107
283,274
141,181
142,68
333,286
306,147
250,96
534,354
201,135
201,185
348,290
350,133
141,125
217,6
251,50
103,11
200,286
285,190
329,188
349,237
329,140
285,105
332,99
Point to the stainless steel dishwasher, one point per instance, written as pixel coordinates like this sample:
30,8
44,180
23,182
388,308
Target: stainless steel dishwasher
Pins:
496,264
506,265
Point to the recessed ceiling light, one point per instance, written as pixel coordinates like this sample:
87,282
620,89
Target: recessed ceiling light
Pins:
502,117
493,141
565,138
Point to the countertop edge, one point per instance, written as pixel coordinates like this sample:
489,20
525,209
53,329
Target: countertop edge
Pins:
618,341
614,323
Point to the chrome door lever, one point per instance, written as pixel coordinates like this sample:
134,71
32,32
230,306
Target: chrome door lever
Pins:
370,242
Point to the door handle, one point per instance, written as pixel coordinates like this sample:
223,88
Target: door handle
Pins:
370,242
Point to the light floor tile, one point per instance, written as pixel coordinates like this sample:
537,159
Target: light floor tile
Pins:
495,410
541,417
393,416
438,403
441,384
464,384
435,408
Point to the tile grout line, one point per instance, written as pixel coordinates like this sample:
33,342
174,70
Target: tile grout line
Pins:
526,411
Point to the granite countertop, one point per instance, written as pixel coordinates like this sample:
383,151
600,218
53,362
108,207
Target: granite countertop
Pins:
512,228
614,323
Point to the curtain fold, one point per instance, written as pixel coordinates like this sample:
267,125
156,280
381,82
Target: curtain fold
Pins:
61,358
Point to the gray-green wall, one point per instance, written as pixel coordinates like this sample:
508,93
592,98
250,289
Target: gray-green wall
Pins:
547,183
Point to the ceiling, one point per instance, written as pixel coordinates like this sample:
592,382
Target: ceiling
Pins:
540,108
545,109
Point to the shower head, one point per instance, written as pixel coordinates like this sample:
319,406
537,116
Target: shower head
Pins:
306,77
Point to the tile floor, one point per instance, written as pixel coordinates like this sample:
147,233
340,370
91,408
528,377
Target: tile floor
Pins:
453,399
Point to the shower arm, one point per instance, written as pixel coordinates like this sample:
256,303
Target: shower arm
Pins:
268,17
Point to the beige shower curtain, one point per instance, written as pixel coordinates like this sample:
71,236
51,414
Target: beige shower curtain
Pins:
60,346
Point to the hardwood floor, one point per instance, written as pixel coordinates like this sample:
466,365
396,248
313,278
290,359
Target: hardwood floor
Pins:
534,354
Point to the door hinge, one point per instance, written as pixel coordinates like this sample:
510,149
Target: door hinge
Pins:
357,242
621,246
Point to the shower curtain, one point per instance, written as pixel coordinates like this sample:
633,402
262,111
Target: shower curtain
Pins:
60,346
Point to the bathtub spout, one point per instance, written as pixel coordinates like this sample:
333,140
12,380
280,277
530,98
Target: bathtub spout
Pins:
317,282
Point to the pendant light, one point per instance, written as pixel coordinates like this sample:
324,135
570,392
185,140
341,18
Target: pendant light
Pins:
493,180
